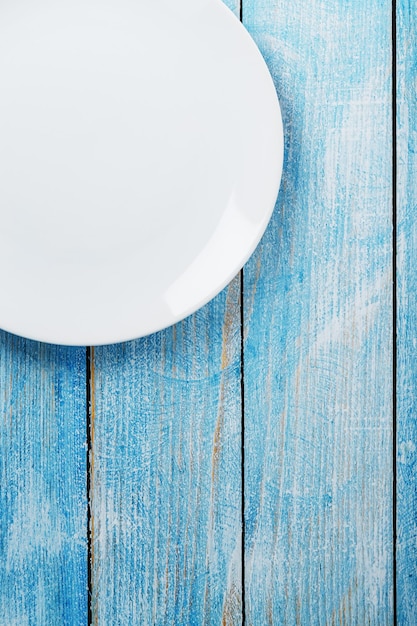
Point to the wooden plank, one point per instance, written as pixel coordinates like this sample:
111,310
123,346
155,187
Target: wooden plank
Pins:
43,503
317,309
407,313
166,509
166,451
165,472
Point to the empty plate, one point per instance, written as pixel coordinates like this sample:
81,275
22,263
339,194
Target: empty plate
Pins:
140,159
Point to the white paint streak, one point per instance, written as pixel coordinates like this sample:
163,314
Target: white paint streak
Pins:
351,326
406,451
36,526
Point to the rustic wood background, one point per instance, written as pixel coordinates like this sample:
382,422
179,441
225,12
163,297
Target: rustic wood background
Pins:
125,484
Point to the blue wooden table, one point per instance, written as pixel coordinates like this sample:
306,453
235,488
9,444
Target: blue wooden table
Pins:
257,461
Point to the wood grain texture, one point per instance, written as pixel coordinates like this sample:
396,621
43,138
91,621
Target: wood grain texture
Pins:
407,313
43,502
317,308
166,473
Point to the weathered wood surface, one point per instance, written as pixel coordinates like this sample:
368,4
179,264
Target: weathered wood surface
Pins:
407,313
166,472
166,500
318,332
43,499
165,463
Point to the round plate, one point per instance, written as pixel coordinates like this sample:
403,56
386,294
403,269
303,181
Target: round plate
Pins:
140,159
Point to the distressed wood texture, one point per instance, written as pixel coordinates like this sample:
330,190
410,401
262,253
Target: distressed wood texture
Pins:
318,332
166,507
407,313
166,473
43,501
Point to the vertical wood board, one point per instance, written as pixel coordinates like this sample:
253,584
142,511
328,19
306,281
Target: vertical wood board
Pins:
43,500
166,473
318,333
407,313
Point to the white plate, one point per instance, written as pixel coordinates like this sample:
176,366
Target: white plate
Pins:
140,159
